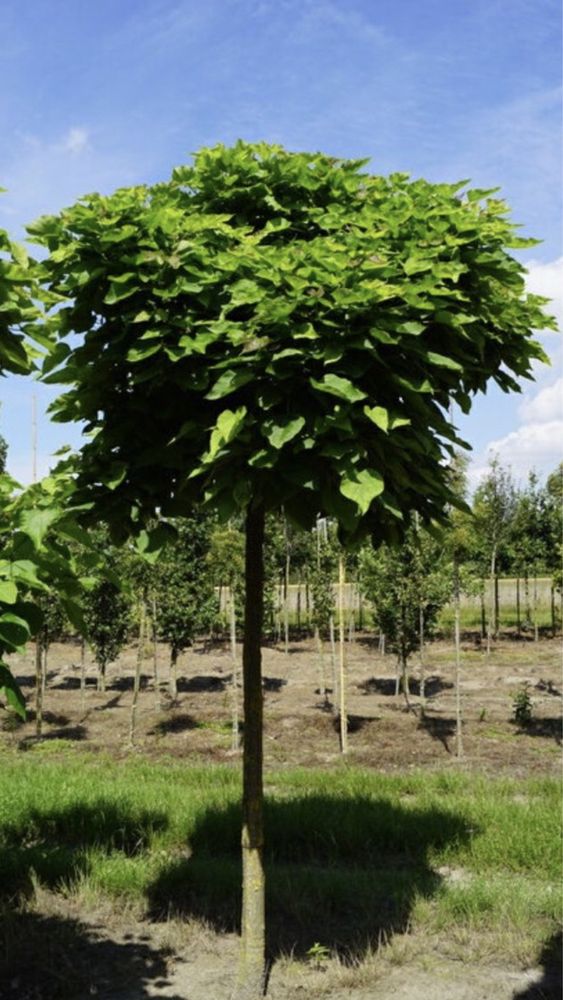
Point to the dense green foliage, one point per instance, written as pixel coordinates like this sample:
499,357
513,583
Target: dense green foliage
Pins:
184,593
280,326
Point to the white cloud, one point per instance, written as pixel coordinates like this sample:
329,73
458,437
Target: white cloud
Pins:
75,140
533,446
547,279
546,406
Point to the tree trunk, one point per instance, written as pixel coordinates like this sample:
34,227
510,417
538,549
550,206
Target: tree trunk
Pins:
457,639
83,672
137,680
491,625
156,680
307,606
44,667
342,685
333,664
497,606
398,677
527,596
38,686
251,974
173,679
405,682
518,621
235,726
483,613
299,609
422,664
553,619
286,589
536,628
322,680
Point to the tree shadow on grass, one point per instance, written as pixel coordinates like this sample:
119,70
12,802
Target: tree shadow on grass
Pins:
54,957
550,985
54,845
201,684
549,728
341,872
387,685
175,724
75,733
438,728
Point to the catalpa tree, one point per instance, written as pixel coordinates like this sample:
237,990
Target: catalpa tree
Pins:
271,328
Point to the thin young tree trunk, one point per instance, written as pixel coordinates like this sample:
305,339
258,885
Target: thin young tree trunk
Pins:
527,596
381,643
483,612
322,680
251,974
398,677
497,606
156,679
173,678
102,677
44,668
307,606
405,680
351,623
235,725
422,663
360,610
457,639
299,608
83,672
286,588
536,628
341,632
137,680
518,621
38,686
553,621
491,625
331,632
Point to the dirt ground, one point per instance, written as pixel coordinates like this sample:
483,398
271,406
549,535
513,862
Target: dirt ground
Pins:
300,729
183,963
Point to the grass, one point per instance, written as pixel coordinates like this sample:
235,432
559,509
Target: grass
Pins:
354,857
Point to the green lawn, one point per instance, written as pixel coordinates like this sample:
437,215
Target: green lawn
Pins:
353,856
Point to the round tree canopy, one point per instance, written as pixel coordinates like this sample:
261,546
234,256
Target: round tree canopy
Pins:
282,328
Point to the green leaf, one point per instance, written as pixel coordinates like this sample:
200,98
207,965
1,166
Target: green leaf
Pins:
342,388
115,475
8,592
414,329
14,631
227,427
11,690
281,432
36,523
228,382
443,361
362,487
379,416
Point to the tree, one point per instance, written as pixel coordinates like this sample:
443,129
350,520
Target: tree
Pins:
107,616
407,585
185,594
530,532
272,329
554,516
493,508
30,562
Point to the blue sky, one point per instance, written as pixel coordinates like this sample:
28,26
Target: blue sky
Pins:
102,95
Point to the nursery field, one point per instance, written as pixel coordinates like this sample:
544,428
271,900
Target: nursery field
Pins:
399,870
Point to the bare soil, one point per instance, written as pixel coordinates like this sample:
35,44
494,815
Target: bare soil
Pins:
175,961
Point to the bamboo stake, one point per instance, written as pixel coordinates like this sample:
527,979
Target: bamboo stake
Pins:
343,715
235,737
137,680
